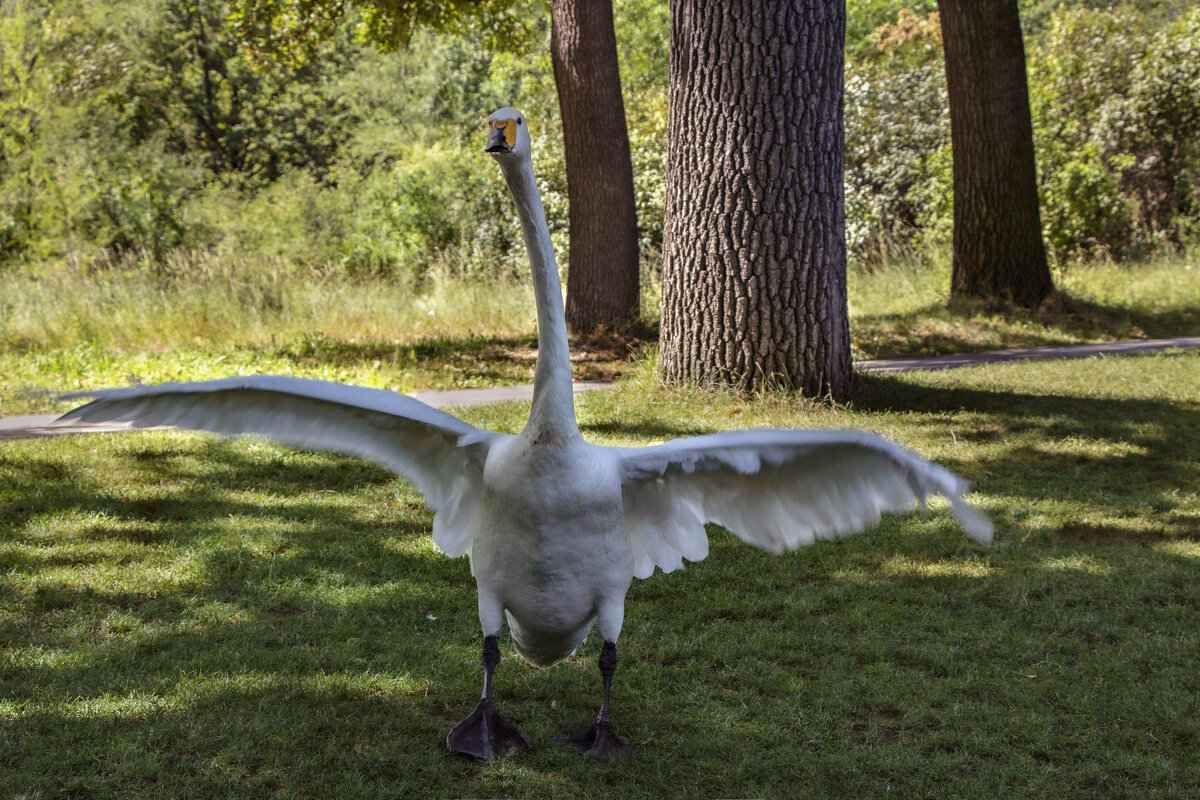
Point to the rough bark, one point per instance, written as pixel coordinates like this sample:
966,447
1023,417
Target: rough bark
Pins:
754,261
602,277
998,249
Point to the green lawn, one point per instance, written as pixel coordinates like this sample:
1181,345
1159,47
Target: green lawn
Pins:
187,617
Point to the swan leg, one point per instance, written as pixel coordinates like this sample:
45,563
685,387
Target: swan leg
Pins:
599,740
484,733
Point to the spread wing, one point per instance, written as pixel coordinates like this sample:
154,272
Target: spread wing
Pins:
438,453
775,489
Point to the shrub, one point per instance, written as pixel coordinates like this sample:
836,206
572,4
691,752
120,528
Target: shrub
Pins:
1116,109
897,141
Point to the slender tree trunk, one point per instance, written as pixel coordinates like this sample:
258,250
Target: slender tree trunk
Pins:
998,248
602,277
754,261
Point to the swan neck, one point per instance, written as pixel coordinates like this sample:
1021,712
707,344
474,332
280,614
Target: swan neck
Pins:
553,412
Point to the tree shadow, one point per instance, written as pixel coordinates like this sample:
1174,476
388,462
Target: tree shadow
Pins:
1142,450
306,652
648,428
487,360
1063,315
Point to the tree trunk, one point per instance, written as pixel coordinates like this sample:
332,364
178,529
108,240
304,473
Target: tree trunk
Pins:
602,276
754,261
998,248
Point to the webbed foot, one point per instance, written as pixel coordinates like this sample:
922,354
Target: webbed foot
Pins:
485,734
599,741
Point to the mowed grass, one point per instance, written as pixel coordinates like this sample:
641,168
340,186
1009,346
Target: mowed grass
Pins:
187,617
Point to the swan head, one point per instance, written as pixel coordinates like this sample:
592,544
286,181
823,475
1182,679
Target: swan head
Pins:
508,134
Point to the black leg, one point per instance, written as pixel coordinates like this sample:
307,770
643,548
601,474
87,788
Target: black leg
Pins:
599,739
484,733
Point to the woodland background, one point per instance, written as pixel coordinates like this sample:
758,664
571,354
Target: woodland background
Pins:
143,135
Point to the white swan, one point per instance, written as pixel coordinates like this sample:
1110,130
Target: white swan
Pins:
557,528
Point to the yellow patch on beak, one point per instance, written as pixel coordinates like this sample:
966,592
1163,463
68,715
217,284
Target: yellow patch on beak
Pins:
506,128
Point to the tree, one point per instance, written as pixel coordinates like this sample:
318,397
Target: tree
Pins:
24,88
192,87
754,262
603,261
602,283
998,248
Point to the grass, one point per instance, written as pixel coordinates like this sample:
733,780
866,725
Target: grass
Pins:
197,318
181,616
903,310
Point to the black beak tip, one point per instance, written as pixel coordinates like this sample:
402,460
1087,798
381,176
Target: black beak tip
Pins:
499,147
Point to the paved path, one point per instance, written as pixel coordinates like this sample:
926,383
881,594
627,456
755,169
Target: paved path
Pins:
1125,348
40,425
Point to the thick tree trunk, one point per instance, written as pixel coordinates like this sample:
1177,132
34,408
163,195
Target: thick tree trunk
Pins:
998,248
754,261
602,277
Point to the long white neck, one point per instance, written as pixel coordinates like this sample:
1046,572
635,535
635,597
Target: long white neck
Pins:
553,414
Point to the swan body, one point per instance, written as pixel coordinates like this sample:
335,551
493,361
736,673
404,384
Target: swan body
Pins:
557,528
556,560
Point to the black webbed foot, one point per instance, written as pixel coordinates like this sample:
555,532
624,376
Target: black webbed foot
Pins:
485,734
599,741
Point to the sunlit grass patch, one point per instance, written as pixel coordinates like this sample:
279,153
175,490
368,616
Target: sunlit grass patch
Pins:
181,616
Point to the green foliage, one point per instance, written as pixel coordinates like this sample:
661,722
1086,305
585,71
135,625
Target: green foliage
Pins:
295,30
190,85
864,17
437,206
136,201
141,127
1115,97
897,140
1117,106
24,82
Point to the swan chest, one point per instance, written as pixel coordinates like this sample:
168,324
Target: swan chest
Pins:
551,546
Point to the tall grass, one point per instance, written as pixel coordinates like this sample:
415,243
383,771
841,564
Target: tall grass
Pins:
905,309
907,287
200,299
207,301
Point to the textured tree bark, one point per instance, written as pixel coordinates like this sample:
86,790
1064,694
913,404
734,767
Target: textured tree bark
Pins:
754,261
998,248
602,277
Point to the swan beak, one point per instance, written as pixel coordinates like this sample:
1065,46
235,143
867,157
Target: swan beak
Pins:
502,136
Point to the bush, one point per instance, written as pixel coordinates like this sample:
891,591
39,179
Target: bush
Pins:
1116,109
1115,98
898,182
439,207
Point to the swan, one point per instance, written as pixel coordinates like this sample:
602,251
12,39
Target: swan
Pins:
556,528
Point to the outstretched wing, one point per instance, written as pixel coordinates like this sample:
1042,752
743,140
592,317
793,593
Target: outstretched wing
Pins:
775,489
438,453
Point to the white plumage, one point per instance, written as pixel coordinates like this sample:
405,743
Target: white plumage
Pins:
557,528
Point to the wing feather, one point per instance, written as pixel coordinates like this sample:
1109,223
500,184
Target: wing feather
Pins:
775,489
438,453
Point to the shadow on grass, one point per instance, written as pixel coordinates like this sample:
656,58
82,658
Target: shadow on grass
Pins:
649,428
971,326
1116,458
300,657
479,359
